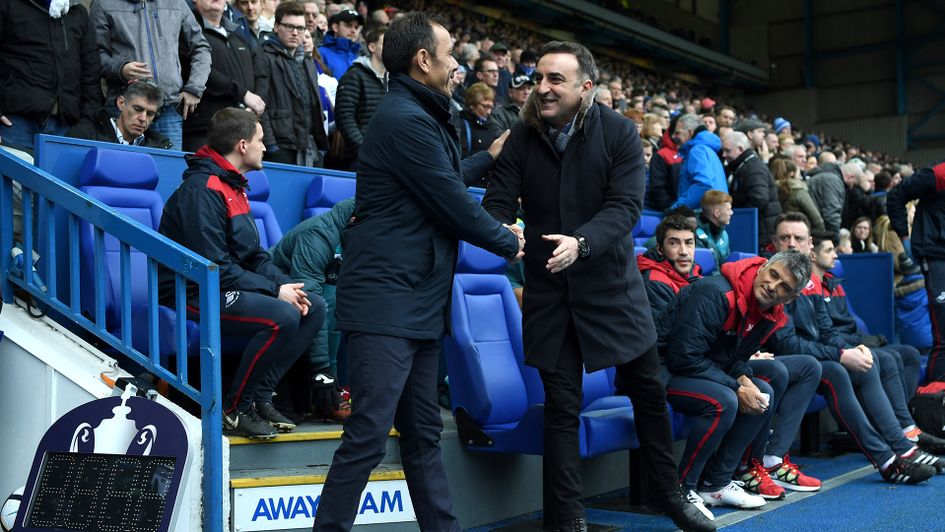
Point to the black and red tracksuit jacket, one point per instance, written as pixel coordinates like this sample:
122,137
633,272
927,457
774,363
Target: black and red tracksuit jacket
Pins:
662,281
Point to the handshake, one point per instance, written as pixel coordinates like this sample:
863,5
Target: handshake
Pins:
520,233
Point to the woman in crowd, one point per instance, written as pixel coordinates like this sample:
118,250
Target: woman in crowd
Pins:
652,129
793,193
473,124
861,236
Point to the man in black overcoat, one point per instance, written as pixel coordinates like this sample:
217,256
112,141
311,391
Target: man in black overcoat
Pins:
578,168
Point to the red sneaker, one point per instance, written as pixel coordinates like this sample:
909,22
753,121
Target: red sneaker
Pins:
758,481
788,476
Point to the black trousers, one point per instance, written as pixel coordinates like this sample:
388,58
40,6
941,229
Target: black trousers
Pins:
393,382
934,272
638,379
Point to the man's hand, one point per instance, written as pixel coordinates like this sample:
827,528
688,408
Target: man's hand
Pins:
856,360
188,104
5,121
135,70
293,294
761,355
254,103
764,153
520,234
750,399
496,149
564,255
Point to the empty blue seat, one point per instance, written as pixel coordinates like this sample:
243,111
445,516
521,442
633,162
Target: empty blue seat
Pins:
498,400
706,260
324,192
645,229
266,223
739,255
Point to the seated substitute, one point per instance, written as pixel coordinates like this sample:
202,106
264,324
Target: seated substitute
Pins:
670,266
137,106
209,213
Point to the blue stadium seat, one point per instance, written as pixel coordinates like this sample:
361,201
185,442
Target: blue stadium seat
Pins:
497,399
645,229
266,223
860,324
739,255
125,181
324,192
639,250
706,260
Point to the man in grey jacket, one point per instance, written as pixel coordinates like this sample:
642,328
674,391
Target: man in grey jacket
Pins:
139,39
828,187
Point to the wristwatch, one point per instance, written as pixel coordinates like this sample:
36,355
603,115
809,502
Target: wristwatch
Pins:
584,249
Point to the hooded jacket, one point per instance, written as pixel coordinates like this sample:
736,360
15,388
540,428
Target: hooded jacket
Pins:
713,238
662,281
338,53
928,229
701,169
752,186
155,32
209,214
359,92
48,63
715,325
664,175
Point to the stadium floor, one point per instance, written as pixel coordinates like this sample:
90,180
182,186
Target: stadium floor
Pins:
854,498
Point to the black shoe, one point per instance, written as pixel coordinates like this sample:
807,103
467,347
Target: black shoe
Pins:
577,524
907,266
684,514
275,418
923,457
249,424
931,444
908,471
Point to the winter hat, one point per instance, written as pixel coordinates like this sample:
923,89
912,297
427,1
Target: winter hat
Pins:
780,124
57,8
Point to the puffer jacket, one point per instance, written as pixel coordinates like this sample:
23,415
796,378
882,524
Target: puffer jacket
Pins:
155,32
701,169
359,92
753,186
664,175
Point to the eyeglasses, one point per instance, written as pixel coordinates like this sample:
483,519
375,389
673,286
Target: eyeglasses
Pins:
293,29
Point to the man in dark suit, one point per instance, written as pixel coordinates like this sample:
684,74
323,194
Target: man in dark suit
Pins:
578,169
394,284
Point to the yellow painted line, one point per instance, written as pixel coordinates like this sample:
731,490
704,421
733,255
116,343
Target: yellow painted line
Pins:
262,482
297,437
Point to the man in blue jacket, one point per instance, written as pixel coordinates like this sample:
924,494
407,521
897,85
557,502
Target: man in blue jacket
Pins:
341,47
394,284
701,168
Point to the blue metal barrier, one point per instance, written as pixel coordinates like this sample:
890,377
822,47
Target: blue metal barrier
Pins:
52,195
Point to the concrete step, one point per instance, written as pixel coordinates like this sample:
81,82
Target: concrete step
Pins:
310,444
286,499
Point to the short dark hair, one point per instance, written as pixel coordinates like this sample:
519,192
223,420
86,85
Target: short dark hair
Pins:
477,66
682,210
674,222
882,180
821,236
229,126
143,88
792,217
586,64
290,8
405,37
374,34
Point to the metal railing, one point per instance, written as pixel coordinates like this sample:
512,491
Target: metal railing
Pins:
46,194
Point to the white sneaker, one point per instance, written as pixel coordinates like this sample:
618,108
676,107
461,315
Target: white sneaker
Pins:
732,495
695,500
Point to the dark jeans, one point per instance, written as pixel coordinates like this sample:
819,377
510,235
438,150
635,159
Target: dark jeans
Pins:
279,334
393,382
803,377
934,272
640,380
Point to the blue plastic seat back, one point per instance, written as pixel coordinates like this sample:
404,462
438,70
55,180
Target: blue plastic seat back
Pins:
837,271
645,229
706,260
125,181
324,192
639,250
265,217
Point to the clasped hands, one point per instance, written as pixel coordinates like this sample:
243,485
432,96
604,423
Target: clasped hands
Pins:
563,256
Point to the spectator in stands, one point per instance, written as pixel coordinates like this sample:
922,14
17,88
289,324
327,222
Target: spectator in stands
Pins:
267,16
311,14
862,238
850,379
772,142
701,168
710,231
799,157
311,254
340,47
637,117
782,127
580,239
750,182
295,133
169,37
898,364
829,191
671,265
617,94
927,244
487,72
653,130
709,122
844,244
476,134
793,193
137,107
392,295
209,214
504,117
468,55
500,53
755,131
50,70
726,117
858,200
527,63
664,171
603,96
359,93
711,379
251,10
232,79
